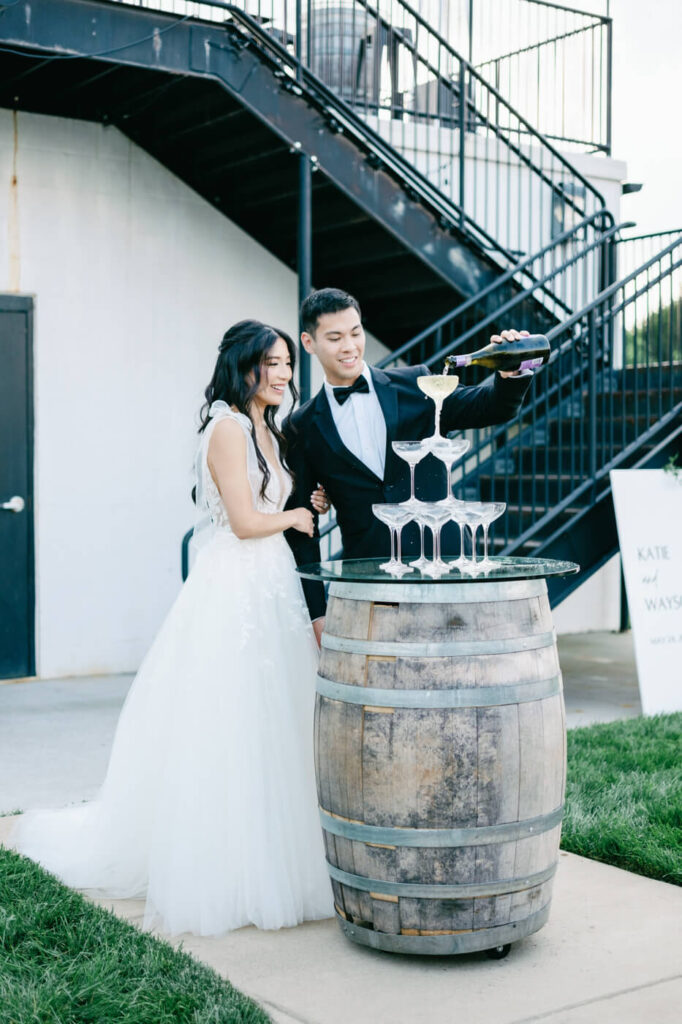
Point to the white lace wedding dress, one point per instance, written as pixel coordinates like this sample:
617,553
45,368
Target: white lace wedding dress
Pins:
209,806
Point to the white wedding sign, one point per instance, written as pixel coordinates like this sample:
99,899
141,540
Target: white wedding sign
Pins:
648,504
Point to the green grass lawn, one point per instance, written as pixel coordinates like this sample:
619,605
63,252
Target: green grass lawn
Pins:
65,961
624,795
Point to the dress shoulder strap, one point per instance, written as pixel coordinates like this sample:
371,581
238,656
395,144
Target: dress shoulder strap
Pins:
221,411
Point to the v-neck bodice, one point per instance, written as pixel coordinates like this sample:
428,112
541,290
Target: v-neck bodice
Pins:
279,485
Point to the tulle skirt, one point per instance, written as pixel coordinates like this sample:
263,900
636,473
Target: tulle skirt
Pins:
209,807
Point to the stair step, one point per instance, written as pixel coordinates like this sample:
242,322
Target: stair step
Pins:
516,521
625,401
544,487
636,377
621,428
528,547
551,458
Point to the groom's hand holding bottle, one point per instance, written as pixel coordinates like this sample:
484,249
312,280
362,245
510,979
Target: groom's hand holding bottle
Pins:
509,336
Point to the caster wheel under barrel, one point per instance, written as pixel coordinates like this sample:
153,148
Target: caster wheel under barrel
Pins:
498,952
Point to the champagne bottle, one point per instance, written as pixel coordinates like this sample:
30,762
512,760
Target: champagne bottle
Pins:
525,354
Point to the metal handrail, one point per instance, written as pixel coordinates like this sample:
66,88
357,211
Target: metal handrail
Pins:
368,138
553,41
518,299
650,234
300,13
594,372
499,98
607,293
484,212
510,275
418,185
603,299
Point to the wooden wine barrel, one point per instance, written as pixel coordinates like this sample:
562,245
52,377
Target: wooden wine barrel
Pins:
440,760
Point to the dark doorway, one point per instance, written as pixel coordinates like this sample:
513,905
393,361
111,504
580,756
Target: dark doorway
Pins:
17,587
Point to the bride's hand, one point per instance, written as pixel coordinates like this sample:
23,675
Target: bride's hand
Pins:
303,521
319,500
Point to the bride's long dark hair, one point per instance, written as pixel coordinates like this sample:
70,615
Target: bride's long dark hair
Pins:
242,353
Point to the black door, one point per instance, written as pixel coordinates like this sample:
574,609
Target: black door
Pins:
16,488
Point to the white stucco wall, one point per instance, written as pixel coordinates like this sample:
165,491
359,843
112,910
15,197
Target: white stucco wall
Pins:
593,606
135,280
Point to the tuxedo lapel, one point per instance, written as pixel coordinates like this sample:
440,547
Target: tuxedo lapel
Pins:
388,400
324,422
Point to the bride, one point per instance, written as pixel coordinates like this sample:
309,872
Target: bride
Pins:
208,808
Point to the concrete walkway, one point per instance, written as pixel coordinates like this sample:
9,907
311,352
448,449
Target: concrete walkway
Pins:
610,954
612,951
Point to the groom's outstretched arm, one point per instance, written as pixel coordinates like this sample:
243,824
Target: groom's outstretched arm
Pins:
485,405
305,549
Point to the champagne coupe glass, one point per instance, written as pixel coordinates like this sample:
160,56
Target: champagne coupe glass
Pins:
395,517
438,386
421,521
436,515
412,452
447,450
467,513
487,512
458,515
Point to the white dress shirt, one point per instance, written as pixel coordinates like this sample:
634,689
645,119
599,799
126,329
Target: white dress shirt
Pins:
361,424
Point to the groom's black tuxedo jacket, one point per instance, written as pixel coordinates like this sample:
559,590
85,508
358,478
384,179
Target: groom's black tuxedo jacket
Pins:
316,454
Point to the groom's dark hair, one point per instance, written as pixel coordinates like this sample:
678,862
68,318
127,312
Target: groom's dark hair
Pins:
326,300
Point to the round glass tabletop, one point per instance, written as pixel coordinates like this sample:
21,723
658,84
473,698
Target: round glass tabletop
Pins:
366,570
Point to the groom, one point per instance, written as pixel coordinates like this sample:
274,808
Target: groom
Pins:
342,437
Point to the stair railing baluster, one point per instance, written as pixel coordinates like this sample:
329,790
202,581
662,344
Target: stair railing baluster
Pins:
462,138
592,401
659,349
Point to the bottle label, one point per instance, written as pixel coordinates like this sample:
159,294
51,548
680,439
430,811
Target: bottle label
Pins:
531,364
460,360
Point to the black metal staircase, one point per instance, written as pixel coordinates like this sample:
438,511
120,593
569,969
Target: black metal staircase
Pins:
228,105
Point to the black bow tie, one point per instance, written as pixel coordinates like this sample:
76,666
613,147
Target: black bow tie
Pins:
361,387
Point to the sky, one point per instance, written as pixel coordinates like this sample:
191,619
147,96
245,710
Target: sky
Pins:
647,108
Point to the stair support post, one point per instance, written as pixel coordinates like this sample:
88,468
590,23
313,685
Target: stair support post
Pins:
462,136
592,400
304,240
304,261
609,84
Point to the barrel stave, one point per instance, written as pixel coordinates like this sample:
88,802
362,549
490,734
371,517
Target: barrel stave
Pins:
386,915
410,623
415,673
349,618
498,764
343,667
554,767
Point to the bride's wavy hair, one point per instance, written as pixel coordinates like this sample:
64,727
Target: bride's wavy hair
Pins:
241,355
